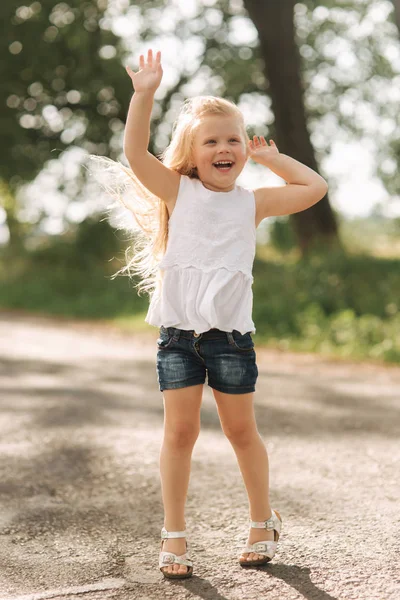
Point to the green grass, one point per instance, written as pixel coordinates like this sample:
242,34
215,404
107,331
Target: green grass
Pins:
342,305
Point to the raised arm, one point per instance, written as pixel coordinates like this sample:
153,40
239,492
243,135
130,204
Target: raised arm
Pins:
156,177
304,186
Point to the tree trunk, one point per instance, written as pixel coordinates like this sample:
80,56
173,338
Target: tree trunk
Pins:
274,22
396,4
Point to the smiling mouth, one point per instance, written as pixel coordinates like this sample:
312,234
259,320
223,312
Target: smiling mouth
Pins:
223,165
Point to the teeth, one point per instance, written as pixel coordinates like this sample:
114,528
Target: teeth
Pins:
221,162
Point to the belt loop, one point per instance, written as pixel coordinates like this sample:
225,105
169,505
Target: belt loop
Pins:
177,333
230,338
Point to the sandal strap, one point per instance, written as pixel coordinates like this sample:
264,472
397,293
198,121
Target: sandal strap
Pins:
171,534
272,523
266,548
169,558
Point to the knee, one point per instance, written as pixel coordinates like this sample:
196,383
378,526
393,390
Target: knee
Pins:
182,434
241,435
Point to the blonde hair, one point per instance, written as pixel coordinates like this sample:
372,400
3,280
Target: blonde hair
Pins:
150,214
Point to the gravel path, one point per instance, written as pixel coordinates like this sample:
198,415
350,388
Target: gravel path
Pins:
81,510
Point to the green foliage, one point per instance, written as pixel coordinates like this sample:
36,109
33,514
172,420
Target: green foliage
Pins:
71,275
336,304
72,292
348,335
93,242
61,279
324,23
59,92
282,236
58,68
334,282
96,239
61,89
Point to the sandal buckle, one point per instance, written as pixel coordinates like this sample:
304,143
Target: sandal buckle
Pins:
168,560
269,523
259,547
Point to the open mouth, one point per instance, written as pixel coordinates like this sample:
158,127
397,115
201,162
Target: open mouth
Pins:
224,165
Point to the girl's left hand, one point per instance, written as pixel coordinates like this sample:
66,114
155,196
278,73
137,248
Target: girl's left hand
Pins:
259,150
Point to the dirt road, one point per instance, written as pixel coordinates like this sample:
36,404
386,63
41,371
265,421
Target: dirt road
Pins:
81,511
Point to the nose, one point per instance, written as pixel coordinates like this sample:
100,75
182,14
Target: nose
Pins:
223,147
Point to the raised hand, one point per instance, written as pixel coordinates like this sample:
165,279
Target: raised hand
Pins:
259,150
150,73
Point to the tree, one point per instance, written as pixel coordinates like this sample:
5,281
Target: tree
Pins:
351,47
77,94
396,4
274,23
62,84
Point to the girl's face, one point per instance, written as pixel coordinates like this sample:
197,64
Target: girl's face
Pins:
219,138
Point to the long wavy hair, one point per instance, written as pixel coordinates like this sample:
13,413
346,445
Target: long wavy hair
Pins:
149,214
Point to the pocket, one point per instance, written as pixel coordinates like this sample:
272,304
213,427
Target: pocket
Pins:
243,343
165,339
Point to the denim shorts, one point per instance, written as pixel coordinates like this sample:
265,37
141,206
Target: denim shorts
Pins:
184,358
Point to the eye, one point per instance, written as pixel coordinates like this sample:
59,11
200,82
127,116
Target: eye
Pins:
208,141
234,140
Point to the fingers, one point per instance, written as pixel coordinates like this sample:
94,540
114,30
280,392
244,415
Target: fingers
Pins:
129,70
150,59
255,142
157,59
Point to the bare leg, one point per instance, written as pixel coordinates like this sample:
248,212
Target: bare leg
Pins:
175,463
181,429
253,462
236,413
252,457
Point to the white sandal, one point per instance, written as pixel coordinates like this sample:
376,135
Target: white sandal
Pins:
169,558
266,548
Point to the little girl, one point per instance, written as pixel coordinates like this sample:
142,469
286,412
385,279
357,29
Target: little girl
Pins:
205,233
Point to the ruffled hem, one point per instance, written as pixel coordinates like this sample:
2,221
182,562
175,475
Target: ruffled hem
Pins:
191,298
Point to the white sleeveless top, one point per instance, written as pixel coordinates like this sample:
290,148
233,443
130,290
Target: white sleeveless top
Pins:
206,272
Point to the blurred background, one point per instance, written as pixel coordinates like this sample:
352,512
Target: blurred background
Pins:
320,78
